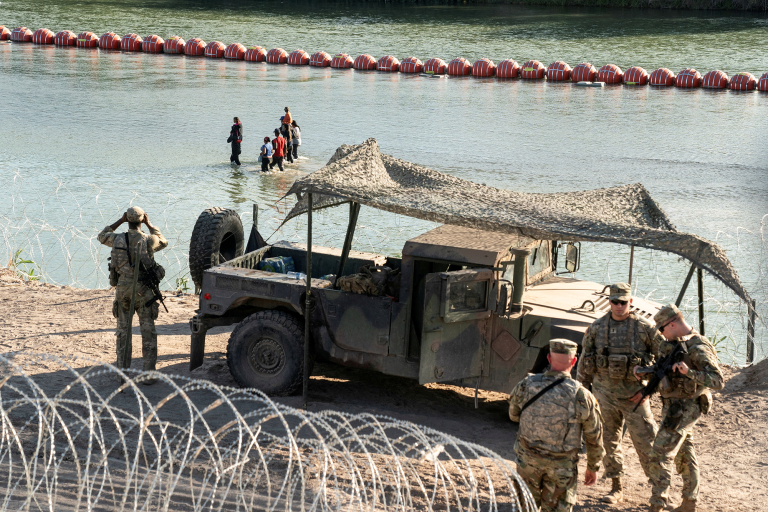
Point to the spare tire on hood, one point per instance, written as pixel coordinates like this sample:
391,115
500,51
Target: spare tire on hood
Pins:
217,237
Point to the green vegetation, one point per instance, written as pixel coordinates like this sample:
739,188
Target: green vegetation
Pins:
16,262
182,284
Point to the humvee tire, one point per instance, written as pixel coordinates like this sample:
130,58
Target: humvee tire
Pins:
217,237
266,352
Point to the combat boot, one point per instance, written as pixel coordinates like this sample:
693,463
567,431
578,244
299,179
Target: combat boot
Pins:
655,508
617,493
686,506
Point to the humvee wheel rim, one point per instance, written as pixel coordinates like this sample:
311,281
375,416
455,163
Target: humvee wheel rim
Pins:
266,356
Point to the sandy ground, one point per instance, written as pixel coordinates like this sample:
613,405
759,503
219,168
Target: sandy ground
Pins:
731,442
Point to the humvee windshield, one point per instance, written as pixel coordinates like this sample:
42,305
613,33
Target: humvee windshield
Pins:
539,262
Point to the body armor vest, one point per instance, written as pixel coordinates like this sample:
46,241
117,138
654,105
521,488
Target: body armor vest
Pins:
550,423
617,353
123,257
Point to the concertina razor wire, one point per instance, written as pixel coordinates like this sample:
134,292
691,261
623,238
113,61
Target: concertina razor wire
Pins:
81,435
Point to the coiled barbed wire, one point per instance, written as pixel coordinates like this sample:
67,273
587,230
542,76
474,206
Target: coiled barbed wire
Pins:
84,435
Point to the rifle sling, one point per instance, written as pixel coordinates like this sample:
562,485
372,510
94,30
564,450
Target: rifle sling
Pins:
540,393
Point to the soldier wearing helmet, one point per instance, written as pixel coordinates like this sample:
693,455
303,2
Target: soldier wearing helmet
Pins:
613,345
124,260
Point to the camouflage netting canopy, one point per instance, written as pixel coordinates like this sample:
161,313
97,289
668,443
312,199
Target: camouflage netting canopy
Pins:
625,215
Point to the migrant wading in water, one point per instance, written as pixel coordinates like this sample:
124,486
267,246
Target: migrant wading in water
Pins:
235,137
285,131
296,134
278,151
266,155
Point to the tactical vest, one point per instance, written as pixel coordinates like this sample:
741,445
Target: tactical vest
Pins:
615,356
680,386
550,424
123,257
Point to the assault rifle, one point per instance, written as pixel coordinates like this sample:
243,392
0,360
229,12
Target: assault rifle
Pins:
660,370
151,277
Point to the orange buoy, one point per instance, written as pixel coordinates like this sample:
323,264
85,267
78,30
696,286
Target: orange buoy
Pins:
256,54
508,68
153,44
411,65
42,36
342,61
65,38
688,78
277,56
320,60
559,71
610,74
435,67
635,76
663,77
388,63
459,67
762,84
21,35
364,62
298,58
235,51
715,80
87,40
483,67
109,41
532,70
743,82
174,44
215,50
131,43
584,72
194,47
5,33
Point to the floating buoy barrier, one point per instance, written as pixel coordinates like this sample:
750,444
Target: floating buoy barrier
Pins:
762,85
130,43
5,33
277,56
174,44
342,61
715,80
43,36
65,38
636,76
483,68
662,77
364,62
235,51
584,72
87,40
320,60
610,74
215,50
533,70
388,63
459,67
559,71
743,82
435,67
411,65
590,84
21,35
194,47
508,68
298,58
153,44
256,54
688,79
109,41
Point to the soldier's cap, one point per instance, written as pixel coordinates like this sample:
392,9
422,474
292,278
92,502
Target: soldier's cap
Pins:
134,214
665,315
562,346
620,291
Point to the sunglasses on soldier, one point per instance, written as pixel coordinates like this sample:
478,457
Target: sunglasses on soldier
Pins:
618,302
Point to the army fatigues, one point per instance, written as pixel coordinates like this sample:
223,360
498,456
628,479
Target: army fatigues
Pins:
610,350
685,398
121,306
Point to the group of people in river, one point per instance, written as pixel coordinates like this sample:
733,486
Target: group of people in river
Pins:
284,147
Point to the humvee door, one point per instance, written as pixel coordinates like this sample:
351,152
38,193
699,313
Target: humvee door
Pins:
457,307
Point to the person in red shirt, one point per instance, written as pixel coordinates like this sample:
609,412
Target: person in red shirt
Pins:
278,151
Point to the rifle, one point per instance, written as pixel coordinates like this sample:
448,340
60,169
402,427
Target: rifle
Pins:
660,370
151,277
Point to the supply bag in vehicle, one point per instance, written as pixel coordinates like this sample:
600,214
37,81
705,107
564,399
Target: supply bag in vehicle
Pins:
279,264
372,280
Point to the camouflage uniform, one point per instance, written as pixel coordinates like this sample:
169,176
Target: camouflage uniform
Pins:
610,350
685,398
121,306
550,433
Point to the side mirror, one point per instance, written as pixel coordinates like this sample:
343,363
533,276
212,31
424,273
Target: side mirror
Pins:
572,260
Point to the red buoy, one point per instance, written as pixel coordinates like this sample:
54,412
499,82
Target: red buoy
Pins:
42,36
277,56
256,54
21,35
663,77
388,63
5,33
320,60
584,72
215,50
342,61
635,76
688,78
87,40
131,43
610,74
109,41
762,84
743,82
65,38
364,62
153,44
508,68
298,58
483,67
194,47
174,44
411,65
235,51
715,80
459,67
533,70
559,71
435,67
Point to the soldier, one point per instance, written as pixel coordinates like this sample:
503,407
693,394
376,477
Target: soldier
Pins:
686,396
553,410
123,261
613,345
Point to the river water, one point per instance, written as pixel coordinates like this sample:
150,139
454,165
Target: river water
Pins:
87,132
